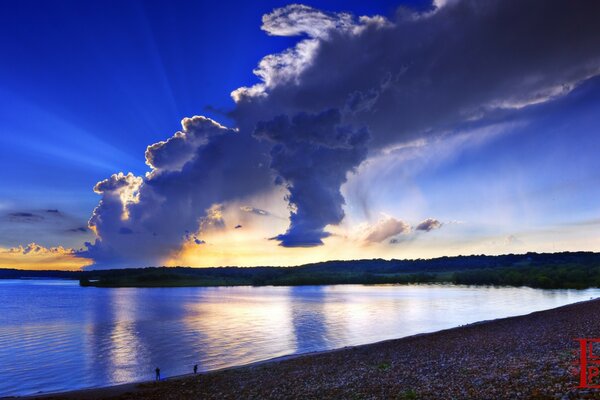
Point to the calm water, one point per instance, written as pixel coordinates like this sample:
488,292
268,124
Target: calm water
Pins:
55,335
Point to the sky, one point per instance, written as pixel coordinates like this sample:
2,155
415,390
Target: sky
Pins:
144,133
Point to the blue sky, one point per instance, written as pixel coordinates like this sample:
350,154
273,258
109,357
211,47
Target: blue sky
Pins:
87,86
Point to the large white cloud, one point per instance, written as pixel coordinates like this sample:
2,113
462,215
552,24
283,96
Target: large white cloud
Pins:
142,220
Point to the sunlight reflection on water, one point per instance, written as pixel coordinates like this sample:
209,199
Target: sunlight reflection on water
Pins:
55,335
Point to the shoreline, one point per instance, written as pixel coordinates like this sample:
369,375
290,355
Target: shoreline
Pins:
558,325
124,387
538,270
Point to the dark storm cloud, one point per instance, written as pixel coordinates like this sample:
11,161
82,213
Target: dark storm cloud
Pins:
312,153
419,74
406,77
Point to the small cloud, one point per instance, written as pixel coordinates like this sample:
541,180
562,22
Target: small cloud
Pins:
24,217
125,231
386,228
193,238
512,240
54,211
81,229
428,225
238,226
213,219
254,210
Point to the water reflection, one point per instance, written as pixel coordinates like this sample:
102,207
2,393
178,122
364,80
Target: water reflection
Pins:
61,336
307,305
261,320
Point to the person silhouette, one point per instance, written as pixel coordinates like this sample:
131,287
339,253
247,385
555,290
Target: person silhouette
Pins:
157,370
195,368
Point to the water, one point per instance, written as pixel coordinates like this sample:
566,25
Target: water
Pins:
55,335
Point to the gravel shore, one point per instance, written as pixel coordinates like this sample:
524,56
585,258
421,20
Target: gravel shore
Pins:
526,357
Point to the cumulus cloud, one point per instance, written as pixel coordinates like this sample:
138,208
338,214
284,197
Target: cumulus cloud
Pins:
192,173
34,248
175,152
118,192
286,67
401,79
386,228
37,256
312,154
428,225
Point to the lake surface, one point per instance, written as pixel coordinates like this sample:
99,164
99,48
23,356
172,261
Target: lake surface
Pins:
55,335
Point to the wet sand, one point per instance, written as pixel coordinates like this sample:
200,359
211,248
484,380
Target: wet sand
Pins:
525,357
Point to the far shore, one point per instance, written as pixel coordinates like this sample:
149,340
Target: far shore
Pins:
564,270
526,357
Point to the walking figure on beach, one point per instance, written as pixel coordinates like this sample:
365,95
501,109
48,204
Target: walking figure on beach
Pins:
195,368
157,373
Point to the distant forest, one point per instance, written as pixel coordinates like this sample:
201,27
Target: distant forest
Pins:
575,270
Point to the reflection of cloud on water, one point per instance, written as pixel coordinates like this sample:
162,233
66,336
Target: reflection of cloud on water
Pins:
117,351
136,331
129,332
240,325
126,351
308,318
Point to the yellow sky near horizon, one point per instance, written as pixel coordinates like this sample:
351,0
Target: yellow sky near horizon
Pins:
243,240
36,257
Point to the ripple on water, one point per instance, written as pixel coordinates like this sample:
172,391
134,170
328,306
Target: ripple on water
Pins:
58,336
